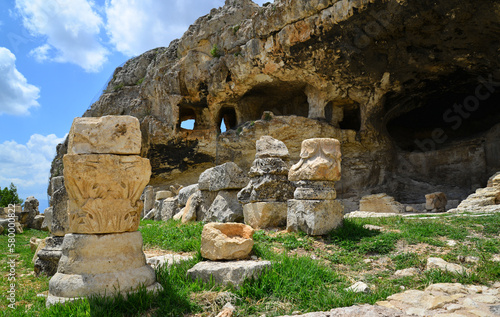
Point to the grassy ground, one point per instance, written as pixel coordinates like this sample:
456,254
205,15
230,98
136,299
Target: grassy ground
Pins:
308,273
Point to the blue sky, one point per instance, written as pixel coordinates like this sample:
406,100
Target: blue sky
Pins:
56,57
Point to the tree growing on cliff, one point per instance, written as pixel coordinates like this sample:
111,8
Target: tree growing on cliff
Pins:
9,195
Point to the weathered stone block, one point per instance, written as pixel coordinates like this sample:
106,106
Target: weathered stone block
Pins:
47,258
225,208
186,192
268,166
261,215
59,203
233,272
31,209
169,208
163,194
267,188
225,176
315,217
104,192
319,161
268,146
148,196
382,203
436,202
315,190
105,135
226,241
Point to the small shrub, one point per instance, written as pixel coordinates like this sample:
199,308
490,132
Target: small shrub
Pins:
118,87
236,28
215,51
140,81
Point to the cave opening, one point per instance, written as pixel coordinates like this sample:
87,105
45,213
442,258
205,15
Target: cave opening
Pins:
440,118
191,116
227,119
345,114
497,199
281,98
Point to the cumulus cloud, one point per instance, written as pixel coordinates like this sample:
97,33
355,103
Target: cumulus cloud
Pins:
28,165
71,29
135,26
16,95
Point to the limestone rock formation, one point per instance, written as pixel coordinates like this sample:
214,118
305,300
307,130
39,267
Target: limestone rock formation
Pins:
381,203
382,77
484,199
314,208
226,241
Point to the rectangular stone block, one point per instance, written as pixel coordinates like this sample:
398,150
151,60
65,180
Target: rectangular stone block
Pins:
314,217
261,215
105,135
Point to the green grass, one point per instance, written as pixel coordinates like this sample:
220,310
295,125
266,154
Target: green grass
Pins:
172,235
307,274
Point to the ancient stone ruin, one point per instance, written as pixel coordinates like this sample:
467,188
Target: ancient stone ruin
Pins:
264,198
314,208
104,177
382,77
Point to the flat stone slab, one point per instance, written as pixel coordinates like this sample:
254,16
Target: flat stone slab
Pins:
167,260
356,311
233,272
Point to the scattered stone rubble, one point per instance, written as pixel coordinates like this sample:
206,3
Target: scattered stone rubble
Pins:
437,300
102,249
265,196
22,218
314,209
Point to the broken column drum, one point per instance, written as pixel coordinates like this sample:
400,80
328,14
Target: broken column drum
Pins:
104,177
314,208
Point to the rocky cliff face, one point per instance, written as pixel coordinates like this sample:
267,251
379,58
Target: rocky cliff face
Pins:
410,88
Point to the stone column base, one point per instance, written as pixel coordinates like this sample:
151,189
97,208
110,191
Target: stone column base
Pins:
261,215
315,217
100,264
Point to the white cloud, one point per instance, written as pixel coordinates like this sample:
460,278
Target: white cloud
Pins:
135,26
16,95
28,165
41,53
71,28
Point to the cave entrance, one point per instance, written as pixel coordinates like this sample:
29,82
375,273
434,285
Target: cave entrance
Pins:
281,98
227,119
497,199
432,120
191,117
344,114
187,118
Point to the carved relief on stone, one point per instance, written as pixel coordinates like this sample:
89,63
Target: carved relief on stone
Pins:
319,161
104,192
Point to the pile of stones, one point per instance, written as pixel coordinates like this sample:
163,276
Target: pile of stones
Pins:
265,196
